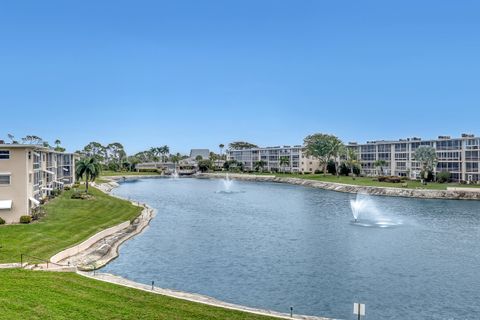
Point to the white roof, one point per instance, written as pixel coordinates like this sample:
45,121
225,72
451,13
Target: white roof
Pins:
49,172
5,173
5,204
34,201
47,189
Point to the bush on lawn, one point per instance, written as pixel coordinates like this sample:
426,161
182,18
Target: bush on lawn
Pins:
81,196
2,221
443,177
390,179
25,219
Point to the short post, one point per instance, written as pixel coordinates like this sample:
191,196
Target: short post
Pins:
291,312
359,310
153,283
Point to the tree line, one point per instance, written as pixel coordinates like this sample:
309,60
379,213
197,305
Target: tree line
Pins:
36,140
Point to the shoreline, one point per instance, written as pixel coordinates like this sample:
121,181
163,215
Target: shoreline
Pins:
460,194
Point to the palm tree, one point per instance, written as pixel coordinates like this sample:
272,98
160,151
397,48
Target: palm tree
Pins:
88,168
380,164
352,160
259,165
221,146
155,152
284,161
12,138
427,156
165,150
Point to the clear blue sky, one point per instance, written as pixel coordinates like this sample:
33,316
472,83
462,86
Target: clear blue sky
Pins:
194,74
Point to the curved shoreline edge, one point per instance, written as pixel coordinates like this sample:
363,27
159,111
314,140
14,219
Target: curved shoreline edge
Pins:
103,247
349,188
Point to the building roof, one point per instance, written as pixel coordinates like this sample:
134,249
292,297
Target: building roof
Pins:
22,146
204,153
32,146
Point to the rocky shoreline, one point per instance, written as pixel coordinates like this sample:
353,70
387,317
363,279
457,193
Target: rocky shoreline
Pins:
347,188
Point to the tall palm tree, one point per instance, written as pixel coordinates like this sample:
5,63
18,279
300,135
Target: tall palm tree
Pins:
352,160
221,146
380,164
165,150
284,161
260,165
88,168
155,152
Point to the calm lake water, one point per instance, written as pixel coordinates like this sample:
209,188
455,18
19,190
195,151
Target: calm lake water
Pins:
273,246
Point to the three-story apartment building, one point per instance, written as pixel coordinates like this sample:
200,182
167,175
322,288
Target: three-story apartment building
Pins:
297,160
29,173
459,156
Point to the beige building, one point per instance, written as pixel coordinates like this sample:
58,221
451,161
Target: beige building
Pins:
29,173
459,156
296,159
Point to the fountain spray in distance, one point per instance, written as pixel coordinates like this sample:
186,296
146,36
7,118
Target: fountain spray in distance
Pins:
366,213
227,183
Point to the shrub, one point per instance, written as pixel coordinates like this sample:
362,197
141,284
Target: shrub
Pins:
81,196
443,176
344,170
38,213
318,171
356,170
2,221
391,179
25,219
331,167
66,188
429,178
55,192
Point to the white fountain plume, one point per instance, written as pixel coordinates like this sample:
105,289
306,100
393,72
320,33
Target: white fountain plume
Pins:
227,183
175,175
366,213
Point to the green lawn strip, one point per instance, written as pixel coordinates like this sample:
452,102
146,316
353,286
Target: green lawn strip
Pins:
50,295
68,222
369,181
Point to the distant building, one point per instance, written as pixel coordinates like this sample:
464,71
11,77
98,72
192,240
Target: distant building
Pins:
298,161
29,173
204,153
459,156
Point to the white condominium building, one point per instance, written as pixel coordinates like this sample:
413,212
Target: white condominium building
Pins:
296,159
459,156
28,173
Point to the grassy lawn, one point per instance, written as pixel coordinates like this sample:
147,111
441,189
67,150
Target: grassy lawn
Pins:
368,181
127,173
68,222
51,295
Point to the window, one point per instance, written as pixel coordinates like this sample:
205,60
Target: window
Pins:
4,179
4,154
